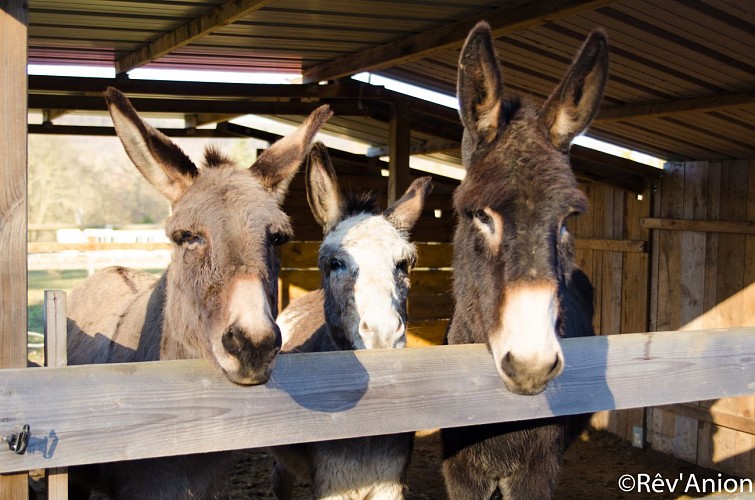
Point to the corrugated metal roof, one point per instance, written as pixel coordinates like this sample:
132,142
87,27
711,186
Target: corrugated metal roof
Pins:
674,58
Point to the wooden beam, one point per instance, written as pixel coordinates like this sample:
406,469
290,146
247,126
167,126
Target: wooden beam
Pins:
13,144
712,416
399,146
66,85
56,355
675,106
704,226
517,15
14,23
609,245
426,147
110,131
48,115
100,413
193,106
195,29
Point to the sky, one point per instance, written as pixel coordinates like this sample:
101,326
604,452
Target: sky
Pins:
330,140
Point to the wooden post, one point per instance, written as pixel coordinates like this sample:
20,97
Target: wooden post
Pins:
399,144
55,356
13,40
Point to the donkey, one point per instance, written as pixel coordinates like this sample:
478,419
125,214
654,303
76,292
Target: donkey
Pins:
365,259
516,285
217,300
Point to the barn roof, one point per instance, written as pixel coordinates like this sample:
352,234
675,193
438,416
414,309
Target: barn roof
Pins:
682,79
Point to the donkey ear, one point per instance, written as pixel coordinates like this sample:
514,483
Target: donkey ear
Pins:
405,212
323,194
575,102
277,165
480,85
158,159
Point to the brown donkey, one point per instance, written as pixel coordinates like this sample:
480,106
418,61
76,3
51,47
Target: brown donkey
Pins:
218,298
364,259
516,285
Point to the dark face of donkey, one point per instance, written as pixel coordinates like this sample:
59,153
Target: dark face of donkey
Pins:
221,298
365,258
513,252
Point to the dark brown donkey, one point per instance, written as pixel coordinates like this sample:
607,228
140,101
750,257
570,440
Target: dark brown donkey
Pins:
364,259
218,298
515,282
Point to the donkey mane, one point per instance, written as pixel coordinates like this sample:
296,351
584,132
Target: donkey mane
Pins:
511,107
360,203
214,158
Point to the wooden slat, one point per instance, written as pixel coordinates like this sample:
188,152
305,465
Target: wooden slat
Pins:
53,247
611,245
516,16
705,226
56,355
669,259
675,106
426,332
195,29
144,410
423,306
13,96
722,419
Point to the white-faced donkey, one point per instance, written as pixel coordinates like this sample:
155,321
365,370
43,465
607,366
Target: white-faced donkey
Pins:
364,259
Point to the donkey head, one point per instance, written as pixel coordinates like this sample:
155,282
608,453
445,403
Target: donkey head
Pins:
514,256
365,258
221,290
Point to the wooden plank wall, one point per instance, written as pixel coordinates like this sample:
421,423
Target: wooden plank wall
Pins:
705,280
620,279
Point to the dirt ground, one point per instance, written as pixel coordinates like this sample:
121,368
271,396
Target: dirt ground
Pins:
591,470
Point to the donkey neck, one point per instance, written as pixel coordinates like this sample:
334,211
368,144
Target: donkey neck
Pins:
180,329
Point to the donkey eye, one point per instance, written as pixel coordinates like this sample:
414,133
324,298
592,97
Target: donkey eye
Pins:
278,239
335,264
403,265
188,239
482,216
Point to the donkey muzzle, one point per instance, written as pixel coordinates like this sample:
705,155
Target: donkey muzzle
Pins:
525,377
254,354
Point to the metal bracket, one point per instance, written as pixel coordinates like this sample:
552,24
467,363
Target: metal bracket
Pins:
18,442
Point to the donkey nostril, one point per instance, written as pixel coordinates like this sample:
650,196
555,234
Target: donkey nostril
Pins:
507,364
231,340
556,365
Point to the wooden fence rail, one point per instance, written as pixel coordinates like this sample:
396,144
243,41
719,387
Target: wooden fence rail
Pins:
86,414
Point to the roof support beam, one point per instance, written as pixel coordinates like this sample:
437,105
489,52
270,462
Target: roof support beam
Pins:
399,142
195,29
516,16
676,106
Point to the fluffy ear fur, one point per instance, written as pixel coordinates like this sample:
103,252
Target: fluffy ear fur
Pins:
323,194
575,102
405,212
277,165
158,159
480,85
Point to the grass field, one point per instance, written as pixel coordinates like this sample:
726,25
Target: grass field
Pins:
38,282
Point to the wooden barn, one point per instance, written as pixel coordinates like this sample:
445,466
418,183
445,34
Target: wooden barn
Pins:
669,249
